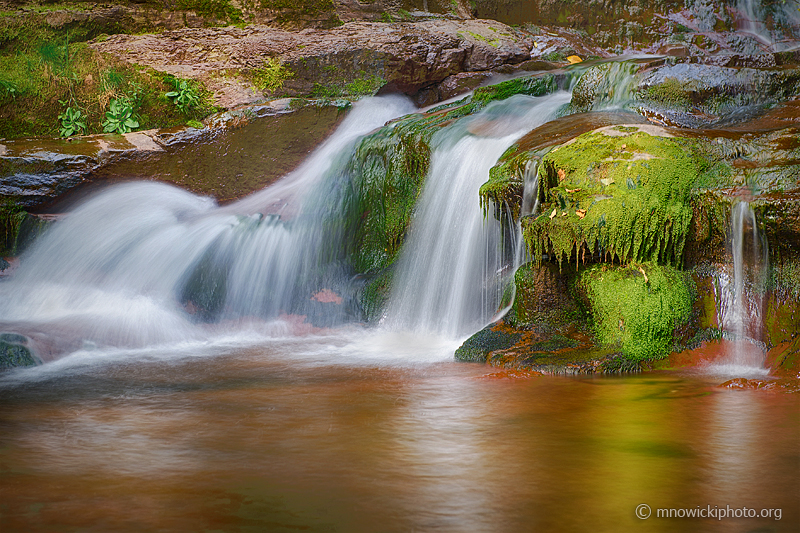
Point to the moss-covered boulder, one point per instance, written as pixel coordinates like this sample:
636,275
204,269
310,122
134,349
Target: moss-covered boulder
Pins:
621,192
14,351
638,307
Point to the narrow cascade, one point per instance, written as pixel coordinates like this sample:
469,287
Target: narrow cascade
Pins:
742,294
145,263
455,262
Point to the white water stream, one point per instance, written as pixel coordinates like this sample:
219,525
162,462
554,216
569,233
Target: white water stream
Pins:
456,262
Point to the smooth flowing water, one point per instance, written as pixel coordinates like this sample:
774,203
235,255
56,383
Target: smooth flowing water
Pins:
455,263
274,437
742,293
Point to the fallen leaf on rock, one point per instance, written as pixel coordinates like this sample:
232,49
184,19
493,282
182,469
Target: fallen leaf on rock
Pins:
573,190
574,59
561,174
581,213
607,181
553,213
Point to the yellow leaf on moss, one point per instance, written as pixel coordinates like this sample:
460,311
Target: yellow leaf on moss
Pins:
574,59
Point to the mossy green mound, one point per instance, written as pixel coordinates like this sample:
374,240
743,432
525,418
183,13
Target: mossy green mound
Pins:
638,307
622,192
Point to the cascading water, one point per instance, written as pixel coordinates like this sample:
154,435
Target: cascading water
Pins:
454,264
129,267
742,292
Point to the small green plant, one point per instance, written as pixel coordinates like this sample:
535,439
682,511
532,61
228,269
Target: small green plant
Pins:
8,88
387,17
72,122
119,117
272,75
184,96
195,124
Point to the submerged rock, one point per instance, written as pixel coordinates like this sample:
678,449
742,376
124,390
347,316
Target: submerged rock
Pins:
14,351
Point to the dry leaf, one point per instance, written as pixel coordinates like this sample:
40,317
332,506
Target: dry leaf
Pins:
573,190
622,147
553,214
607,181
564,214
561,174
574,59
581,213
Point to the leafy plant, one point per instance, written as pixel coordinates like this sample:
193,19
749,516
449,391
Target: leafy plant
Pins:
272,75
184,96
72,122
119,117
8,88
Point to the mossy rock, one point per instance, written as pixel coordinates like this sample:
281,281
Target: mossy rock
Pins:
620,192
543,298
491,338
14,352
375,294
637,307
505,187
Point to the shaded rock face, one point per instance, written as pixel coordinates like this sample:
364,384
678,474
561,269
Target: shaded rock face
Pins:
406,56
238,153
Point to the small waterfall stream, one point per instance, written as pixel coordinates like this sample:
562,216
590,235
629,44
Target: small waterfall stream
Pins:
130,266
455,263
743,292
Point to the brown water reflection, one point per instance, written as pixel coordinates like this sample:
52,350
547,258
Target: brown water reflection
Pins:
253,441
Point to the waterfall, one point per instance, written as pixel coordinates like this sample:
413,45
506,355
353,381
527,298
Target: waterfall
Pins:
454,264
743,292
146,263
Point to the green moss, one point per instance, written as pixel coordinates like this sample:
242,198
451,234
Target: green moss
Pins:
640,315
528,85
478,37
669,92
218,9
476,348
388,170
272,75
11,217
624,196
363,85
47,78
13,352
375,294
506,183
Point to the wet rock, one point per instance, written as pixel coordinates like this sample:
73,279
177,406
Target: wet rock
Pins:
14,351
461,83
239,152
773,385
477,348
542,298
